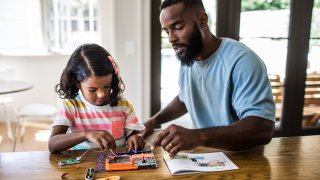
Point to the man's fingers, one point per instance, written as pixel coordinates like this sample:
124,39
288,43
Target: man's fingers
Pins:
157,140
173,151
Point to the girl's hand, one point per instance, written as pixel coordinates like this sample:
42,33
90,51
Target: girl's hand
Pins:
135,142
102,138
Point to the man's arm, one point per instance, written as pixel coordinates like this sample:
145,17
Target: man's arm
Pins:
173,110
243,134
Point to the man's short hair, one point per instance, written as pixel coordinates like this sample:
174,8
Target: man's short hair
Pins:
188,4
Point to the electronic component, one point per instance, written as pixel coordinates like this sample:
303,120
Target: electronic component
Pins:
68,161
89,174
131,152
130,162
144,161
121,162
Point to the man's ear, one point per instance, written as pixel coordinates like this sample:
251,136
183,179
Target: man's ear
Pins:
203,19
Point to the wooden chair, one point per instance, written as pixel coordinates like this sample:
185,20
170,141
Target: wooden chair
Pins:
312,91
276,86
312,98
34,113
311,113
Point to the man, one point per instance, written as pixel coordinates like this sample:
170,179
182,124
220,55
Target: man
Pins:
223,85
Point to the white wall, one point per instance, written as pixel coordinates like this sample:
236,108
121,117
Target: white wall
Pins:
130,24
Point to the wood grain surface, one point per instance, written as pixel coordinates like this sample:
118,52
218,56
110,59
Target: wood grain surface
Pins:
282,158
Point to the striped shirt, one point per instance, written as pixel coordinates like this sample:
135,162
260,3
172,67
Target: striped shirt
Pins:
78,114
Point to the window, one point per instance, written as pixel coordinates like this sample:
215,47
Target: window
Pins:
312,90
20,26
39,26
71,23
314,43
264,27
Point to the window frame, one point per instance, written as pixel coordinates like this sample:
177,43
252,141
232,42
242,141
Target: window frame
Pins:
57,47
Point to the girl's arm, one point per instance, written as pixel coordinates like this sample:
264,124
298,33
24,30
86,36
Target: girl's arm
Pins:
60,141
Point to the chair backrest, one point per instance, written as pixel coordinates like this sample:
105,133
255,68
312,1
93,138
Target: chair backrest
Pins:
37,110
276,86
312,90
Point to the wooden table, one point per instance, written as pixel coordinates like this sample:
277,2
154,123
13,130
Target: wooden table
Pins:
282,158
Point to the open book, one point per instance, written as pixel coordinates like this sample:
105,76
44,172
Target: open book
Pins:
187,163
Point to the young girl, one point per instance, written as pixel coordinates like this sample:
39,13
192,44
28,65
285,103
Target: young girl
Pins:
93,112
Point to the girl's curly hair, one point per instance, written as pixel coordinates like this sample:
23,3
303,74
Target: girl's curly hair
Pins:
89,60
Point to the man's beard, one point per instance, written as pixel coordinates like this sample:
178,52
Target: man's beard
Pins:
191,50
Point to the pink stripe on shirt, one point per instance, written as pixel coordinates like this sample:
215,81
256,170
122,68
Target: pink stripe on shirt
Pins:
93,126
64,113
134,120
91,115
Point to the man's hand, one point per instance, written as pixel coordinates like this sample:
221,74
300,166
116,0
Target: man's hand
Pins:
135,142
150,125
103,138
176,138
173,110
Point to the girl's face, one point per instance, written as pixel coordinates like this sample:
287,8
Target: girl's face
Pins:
96,89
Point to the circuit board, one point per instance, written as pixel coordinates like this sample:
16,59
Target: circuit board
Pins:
125,161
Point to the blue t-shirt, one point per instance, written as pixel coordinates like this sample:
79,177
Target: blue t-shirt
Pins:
228,86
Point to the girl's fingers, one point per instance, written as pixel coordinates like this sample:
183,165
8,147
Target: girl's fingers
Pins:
136,145
112,142
129,144
100,144
105,143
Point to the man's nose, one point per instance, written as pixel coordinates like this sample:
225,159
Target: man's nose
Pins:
172,37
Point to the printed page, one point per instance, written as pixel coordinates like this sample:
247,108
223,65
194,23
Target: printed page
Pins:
186,163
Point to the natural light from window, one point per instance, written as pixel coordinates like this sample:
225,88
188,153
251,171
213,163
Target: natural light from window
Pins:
31,27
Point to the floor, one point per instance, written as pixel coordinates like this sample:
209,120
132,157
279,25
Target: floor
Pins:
35,138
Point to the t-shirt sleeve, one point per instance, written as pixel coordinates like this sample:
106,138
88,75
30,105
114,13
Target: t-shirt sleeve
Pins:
64,114
132,122
252,94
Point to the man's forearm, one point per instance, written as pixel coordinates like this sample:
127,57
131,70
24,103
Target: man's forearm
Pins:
243,134
173,110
